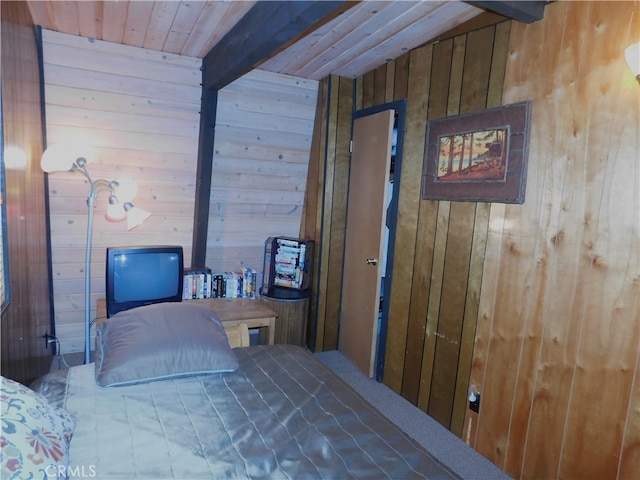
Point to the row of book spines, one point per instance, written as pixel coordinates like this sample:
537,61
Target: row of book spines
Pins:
220,285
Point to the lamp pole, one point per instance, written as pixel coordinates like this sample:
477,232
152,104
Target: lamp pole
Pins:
95,187
91,200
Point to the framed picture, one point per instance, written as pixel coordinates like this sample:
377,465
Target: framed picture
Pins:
479,156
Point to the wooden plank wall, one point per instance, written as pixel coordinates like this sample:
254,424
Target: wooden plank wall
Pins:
437,267
326,206
439,252
552,285
313,209
110,96
139,110
264,126
27,317
558,338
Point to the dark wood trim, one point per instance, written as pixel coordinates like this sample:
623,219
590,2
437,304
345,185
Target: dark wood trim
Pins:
479,22
523,11
263,31
52,320
209,103
25,354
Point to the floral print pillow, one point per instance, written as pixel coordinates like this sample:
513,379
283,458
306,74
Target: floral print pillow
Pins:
34,435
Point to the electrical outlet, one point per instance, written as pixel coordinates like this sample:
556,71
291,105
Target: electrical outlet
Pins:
474,405
48,339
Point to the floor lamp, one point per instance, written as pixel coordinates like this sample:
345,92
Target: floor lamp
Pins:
57,159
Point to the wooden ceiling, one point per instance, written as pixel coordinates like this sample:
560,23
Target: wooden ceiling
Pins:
354,38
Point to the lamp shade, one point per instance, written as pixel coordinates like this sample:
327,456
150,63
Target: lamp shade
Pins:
127,190
632,56
115,212
62,157
57,158
135,216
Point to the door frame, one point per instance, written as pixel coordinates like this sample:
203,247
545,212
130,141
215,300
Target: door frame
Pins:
400,107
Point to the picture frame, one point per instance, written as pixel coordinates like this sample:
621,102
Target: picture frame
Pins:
479,156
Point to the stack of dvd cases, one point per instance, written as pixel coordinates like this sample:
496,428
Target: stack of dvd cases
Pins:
287,267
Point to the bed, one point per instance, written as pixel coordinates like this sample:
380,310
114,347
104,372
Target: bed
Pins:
274,411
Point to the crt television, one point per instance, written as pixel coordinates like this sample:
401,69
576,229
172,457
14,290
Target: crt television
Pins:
143,275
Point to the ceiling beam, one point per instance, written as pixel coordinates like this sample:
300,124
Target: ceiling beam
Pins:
524,11
262,32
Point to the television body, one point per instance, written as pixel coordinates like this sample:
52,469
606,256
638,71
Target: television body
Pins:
287,267
143,275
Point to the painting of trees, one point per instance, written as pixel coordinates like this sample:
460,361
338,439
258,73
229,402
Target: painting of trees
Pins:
473,156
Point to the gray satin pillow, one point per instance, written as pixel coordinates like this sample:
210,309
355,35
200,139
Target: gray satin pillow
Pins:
161,341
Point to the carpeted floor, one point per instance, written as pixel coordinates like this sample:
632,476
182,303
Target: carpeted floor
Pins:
436,439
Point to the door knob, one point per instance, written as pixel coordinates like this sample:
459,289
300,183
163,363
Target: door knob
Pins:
372,261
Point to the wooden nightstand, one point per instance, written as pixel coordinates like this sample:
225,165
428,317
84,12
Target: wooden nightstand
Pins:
293,314
231,311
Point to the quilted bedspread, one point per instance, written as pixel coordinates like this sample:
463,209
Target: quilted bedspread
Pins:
282,414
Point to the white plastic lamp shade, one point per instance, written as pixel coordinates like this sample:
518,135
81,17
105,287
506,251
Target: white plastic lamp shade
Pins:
632,56
62,157
127,190
135,216
115,213
57,158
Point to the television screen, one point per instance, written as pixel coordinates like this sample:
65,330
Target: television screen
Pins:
143,275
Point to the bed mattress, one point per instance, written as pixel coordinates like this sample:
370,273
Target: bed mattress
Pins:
282,414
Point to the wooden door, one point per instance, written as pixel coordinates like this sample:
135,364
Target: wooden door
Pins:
366,217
